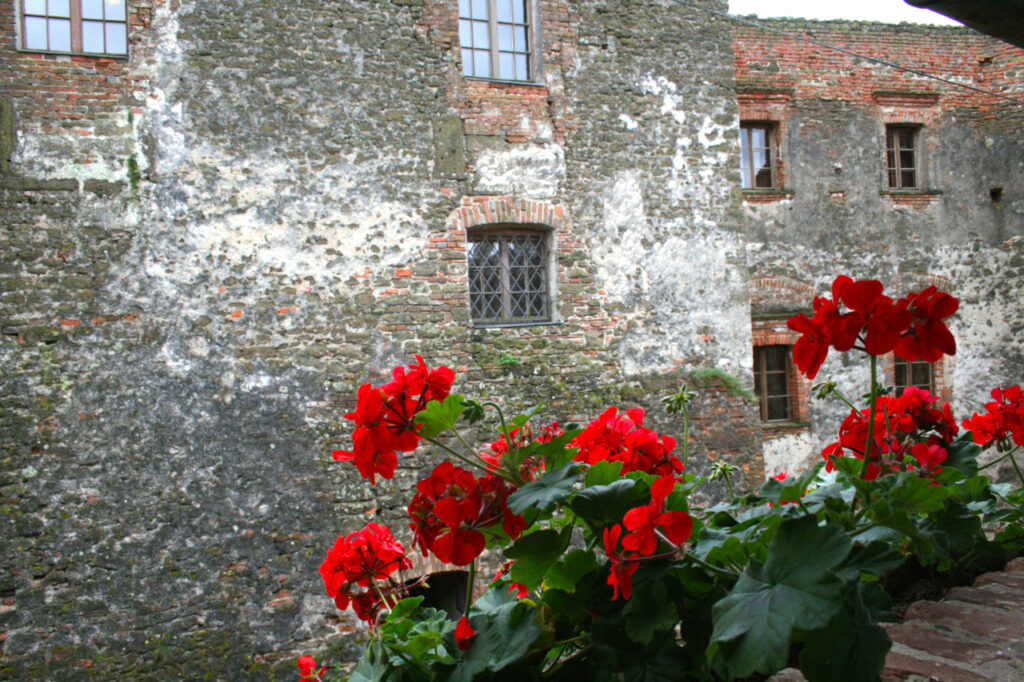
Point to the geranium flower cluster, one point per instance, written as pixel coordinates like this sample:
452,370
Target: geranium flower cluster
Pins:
452,508
624,438
645,525
860,316
1004,419
359,567
494,455
385,417
906,425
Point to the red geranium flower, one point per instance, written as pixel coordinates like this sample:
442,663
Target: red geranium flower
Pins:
385,417
928,337
642,521
623,438
358,560
307,668
452,507
464,634
1004,419
621,576
882,320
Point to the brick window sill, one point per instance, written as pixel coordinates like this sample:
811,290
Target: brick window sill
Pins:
767,195
499,82
77,55
778,429
911,192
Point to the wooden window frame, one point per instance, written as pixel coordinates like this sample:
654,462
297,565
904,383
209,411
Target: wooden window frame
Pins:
761,372
76,25
506,318
749,179
895,148
530,24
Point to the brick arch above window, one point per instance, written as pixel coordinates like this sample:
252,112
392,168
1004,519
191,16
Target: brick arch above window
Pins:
483,211
777,295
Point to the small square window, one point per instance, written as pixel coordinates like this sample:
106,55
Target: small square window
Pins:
495,38
918,374
901,143
80,26
757,155
772,372
508,277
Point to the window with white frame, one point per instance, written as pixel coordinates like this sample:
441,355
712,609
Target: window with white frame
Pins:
77,26
495,36
509,278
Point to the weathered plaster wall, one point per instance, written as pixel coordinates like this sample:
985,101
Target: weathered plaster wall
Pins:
838,216
267,213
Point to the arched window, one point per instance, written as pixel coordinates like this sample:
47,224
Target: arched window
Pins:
509,275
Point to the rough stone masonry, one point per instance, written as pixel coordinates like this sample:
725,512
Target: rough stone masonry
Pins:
208,245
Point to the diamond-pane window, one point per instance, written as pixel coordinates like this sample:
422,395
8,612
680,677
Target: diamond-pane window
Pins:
508,277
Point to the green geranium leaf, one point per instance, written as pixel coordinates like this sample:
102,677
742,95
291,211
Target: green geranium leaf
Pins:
534,554
876,558
372,667
649,610
963,454
794,589
791,489
851,648
519,421
404,608
602,473
955,527
602,505
565,574
505,631
437,417
553,487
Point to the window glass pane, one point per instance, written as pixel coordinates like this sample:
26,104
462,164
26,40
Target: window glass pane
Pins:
922,372
908,179
35,33
482,63
464,10
480,9
778,409
757,136
506,66
521,39
92,9
60,35
907,159
60,8
504,10
117,38
116,10
467,62
465,33
760,158
522,70
776,384
35,6
900,374
92,36
505,37
480,34
519,11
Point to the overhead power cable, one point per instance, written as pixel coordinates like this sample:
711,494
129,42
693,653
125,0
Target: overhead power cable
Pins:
900,67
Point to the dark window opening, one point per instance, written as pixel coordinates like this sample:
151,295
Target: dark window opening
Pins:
918,374
771,382
508,277
995,194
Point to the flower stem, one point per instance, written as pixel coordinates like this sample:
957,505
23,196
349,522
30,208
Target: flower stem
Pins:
1016,468
871,419
458,455
469,587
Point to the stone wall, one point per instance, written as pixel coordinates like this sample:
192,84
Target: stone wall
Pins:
207,247
960,230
